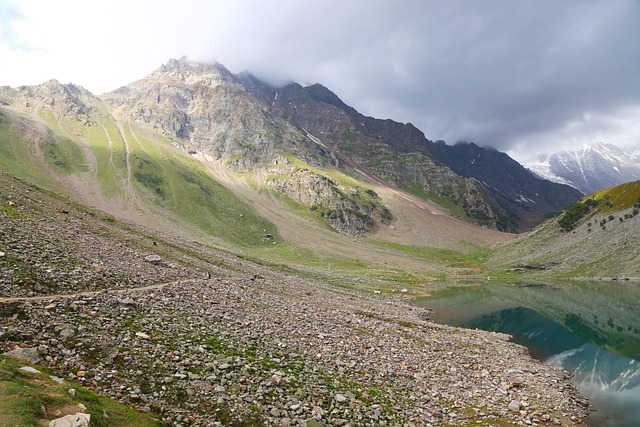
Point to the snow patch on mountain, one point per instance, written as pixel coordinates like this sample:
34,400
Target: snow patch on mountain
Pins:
592,168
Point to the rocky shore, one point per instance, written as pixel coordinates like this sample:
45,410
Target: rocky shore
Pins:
203,338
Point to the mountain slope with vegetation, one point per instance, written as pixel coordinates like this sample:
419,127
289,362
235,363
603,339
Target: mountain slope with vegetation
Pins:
138,148
595,237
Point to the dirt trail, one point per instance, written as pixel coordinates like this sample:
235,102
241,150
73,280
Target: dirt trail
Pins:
110,147
89,293
131,196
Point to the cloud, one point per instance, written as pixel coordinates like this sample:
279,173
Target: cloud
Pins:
517,75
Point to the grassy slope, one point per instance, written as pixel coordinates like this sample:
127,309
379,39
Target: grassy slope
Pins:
182,185
161,176
17,152
602,244
28,398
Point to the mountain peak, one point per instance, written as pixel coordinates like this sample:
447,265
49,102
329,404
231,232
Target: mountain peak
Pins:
595,166
323,94
192,71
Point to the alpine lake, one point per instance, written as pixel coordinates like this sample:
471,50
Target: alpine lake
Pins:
591,329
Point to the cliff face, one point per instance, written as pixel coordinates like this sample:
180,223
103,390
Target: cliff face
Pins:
348,210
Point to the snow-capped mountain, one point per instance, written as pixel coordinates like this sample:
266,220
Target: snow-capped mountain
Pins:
592,168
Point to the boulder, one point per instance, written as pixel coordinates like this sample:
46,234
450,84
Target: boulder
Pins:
340,398
67,333
77,420
127,302
31,355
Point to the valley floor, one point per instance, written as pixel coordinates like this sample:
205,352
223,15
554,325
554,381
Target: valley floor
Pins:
201,337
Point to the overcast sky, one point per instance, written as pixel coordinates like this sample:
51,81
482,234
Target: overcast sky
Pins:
523,76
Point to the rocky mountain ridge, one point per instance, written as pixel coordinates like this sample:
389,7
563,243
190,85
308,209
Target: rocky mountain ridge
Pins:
250,125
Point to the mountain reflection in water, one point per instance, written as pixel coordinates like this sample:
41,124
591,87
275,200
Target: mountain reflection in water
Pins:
590,329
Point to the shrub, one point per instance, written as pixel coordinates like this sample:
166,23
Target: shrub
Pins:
573,213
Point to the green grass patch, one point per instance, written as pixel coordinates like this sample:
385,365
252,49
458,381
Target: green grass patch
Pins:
187,189
444,202
108,173
65,156
475,255
28,398
16,153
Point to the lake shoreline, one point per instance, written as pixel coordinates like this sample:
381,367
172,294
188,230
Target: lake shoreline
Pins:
586,328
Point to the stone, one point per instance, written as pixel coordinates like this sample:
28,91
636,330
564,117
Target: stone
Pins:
78,420
31,355
30,369
516,381
514,406
153,259
67,333
142,335
1,254
340,398
72,392
127,302
317,412
56,379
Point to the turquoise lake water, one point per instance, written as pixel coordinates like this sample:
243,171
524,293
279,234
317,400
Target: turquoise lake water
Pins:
591,329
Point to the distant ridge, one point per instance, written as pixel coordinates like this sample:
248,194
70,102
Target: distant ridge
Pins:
530,198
